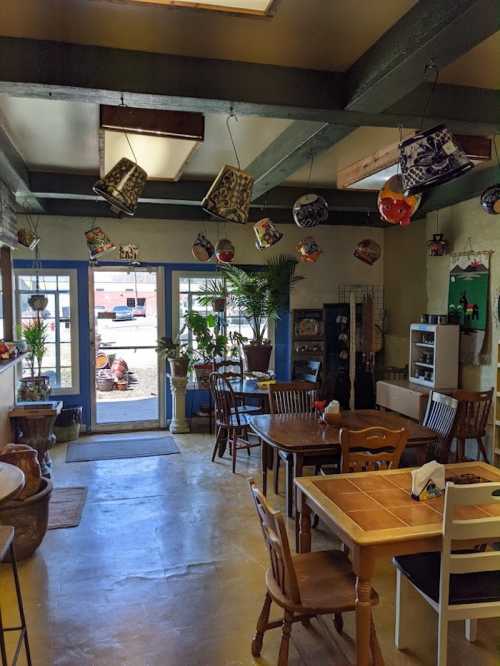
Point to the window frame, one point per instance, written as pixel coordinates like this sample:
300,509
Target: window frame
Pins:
207,275
72,273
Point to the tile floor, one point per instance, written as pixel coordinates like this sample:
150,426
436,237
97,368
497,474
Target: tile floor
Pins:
167,568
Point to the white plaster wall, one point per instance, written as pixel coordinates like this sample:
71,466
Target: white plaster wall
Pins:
171,241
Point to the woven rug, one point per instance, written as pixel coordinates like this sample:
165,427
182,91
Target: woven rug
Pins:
113,449
66,507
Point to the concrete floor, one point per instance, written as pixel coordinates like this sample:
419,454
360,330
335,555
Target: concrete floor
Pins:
167,569
126,410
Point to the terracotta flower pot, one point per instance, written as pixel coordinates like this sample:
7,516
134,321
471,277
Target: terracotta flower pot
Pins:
258,357
202,371
29,517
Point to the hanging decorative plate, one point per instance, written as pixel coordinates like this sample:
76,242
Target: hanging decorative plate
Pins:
490,199
309,327
429,158
368,251
438,246
229,196
310,210
224,251
202,248
98,242
394,207
267,234
308,250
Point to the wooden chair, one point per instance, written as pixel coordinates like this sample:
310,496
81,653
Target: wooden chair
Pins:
473,411
371,449
294,398
232,369
304,586
458,585
229,423
306,371
440,416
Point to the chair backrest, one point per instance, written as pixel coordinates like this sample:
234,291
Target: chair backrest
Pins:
292,398
306,371
230,368
473,411
441,414
276,539
371,449
224,401
456,528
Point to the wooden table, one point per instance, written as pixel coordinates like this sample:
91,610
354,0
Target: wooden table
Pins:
11,481
374,515
34,423
302,434
248,389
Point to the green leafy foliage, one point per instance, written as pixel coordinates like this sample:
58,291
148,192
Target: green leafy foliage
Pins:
35,332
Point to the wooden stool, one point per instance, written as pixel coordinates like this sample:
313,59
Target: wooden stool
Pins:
7,546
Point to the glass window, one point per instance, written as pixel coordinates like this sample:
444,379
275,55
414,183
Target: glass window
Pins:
60,361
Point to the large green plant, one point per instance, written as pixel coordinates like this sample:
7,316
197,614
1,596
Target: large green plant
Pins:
35,333
259,295
210,342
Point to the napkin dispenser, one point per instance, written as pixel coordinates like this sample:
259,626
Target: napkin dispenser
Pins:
427,481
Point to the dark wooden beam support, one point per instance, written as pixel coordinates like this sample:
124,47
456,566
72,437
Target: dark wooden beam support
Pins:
430,32
7,274
393,67
190,193
100,75
91,209
466,187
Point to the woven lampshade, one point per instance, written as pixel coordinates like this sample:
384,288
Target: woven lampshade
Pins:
230,195
267,234
122,186
430,158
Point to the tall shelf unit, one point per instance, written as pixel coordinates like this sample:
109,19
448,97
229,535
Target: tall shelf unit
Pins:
434,355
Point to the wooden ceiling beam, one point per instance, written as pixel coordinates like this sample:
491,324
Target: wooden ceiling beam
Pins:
67,186
14,174
395,65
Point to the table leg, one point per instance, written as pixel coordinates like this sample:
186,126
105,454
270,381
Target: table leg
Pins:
421,454
264,453
303,524
298,470
363,566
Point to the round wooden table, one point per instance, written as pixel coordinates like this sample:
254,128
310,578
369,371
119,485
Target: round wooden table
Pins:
11,481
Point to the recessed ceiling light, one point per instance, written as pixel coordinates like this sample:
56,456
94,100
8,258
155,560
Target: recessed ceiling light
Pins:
252,7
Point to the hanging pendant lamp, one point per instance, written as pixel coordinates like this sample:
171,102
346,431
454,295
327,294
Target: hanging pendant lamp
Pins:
310,210
308,250
368,251
267,234
429,158
394,207
230,195
122,186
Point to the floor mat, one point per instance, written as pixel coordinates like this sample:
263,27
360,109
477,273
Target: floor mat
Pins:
112,449
66,507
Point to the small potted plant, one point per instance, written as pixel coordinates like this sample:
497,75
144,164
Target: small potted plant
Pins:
178,356
210,343
36,387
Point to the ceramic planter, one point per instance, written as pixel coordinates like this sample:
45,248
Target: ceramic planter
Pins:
202,371
178,367
258,357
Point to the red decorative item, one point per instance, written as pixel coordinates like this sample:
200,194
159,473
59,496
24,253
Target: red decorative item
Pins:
308,250
394,207
368,251
224,251
438,246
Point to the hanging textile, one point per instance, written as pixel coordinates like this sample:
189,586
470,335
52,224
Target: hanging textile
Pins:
468,302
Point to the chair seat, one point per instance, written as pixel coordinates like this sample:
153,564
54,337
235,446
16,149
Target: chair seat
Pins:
326,583
423,571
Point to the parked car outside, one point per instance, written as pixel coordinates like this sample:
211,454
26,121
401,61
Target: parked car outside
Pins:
139,311
123,313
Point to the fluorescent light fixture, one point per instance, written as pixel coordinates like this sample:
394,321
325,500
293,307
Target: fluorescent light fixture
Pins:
162,158
252,7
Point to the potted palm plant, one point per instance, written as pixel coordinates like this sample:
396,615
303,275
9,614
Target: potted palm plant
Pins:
177,354
260,296
210,342
35,387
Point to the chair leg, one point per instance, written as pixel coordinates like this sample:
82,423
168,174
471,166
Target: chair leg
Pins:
3,651
402,603
377,658
262,623
442,640
481,450
338,621
217,442
277,473
234,451
471,630
290,487
285,639
20,604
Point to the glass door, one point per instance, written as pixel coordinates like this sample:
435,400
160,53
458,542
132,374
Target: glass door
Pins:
127,320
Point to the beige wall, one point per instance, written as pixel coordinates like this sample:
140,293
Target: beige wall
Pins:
170,241
404,287
6,402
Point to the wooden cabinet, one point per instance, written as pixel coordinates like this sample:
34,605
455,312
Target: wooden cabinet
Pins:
308,336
